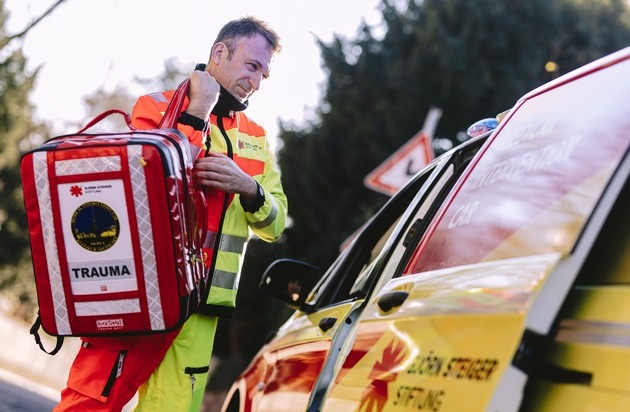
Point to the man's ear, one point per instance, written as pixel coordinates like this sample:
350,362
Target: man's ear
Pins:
217,52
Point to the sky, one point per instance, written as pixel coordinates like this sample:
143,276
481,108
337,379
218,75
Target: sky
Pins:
84,46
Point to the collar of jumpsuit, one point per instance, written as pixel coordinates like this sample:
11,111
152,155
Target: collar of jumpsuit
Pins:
227,104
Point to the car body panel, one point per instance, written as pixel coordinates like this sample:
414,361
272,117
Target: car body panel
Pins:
434,351
287,370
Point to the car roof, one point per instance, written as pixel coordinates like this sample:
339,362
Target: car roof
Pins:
599,64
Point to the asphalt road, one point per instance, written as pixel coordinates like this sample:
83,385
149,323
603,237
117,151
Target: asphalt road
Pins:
16,399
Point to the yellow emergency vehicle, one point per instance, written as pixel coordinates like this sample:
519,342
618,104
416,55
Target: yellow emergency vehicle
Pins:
497,279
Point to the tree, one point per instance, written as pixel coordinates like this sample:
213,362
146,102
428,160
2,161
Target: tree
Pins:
18,133
8,38
471,58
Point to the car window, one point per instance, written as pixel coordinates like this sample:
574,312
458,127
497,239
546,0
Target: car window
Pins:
433,194
537,183
346,276
428,208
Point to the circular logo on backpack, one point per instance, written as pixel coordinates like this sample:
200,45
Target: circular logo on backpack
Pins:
95,226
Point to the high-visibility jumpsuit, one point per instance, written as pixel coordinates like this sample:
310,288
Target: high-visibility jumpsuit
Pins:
107,372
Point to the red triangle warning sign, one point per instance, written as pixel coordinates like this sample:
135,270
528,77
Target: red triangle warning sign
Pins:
397,169
403,164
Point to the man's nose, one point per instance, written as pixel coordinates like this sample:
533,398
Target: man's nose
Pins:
254,82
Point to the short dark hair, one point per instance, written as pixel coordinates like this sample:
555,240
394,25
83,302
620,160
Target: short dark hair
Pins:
247,27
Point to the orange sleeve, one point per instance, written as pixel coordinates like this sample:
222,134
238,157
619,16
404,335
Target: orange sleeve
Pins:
147,113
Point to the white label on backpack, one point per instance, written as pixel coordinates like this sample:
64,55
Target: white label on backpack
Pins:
97,237
102,277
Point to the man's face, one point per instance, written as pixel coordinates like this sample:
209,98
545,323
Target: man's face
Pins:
242,72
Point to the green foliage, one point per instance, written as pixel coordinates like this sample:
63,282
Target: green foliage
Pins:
18,132
471,58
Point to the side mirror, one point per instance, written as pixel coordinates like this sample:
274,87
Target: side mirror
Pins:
289,281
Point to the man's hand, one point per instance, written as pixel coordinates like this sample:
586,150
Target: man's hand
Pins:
203,94
217,171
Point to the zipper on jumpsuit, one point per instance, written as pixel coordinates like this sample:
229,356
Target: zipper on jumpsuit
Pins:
115,373
226,199
194,371
217,239
189,370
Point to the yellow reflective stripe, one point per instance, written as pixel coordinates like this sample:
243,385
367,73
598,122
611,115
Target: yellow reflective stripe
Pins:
228,243
232,244
225,276
224,279
223,297
594,332
158,97
270,218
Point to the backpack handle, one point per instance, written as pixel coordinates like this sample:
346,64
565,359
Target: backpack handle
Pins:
175,106
106,113
169,120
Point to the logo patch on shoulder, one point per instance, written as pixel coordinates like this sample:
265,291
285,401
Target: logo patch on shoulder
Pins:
242,145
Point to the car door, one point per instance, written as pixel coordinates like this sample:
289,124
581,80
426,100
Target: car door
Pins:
283,374
464,320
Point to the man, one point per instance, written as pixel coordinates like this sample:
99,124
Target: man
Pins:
234,157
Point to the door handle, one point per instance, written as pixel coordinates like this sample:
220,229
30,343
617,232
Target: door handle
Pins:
530,359
327,323
392,299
